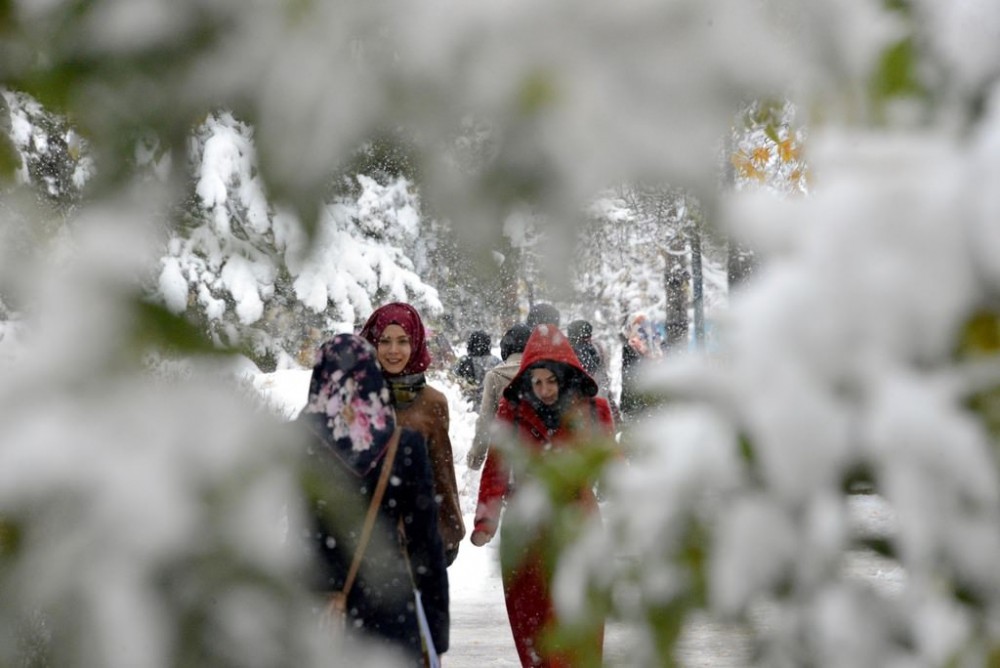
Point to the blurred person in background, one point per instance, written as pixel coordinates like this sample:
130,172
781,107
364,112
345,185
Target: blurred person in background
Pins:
472,367
640,343
542,313
494,383
593,360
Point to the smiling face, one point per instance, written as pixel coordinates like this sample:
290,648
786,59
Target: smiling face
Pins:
545,385
394,349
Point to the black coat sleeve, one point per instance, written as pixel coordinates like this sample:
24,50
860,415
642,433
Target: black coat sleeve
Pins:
423,538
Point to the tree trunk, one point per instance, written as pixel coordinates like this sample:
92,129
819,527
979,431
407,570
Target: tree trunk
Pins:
697,287
509,277
676,280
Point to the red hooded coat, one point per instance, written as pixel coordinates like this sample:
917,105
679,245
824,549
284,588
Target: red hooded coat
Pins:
526,585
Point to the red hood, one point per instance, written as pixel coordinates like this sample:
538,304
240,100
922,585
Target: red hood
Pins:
547,343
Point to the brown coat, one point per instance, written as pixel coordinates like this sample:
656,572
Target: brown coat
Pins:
428,414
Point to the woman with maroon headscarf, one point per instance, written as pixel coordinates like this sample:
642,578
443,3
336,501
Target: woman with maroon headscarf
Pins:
397,332
550,405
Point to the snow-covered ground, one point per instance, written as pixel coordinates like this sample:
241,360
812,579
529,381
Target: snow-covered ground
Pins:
480,636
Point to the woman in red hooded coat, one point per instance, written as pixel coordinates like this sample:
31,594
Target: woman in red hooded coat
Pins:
550,405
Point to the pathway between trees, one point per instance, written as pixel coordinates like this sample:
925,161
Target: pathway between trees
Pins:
480,636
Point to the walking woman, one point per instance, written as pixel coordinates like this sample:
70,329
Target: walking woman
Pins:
550,405
398,334
351,429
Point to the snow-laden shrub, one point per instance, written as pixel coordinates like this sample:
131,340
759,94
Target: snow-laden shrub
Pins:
248,274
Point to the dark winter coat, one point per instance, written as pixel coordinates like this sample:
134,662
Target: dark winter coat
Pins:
471,369
639,344
347,423
428,414
583,416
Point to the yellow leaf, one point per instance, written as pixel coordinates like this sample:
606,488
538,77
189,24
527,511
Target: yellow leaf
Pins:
787,150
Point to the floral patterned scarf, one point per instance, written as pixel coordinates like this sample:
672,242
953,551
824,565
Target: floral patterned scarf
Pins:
349,406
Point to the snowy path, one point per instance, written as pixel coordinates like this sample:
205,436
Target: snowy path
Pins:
480,636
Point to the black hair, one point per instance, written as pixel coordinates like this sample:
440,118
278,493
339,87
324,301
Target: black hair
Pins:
514,340
579,331
478,343
566,375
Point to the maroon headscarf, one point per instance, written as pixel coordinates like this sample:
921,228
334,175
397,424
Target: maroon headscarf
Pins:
404,315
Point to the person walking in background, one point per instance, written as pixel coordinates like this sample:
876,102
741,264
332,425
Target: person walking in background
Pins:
580,333
550,405
496,380
639,343
350,426
542,314
397,332
593,360
472,366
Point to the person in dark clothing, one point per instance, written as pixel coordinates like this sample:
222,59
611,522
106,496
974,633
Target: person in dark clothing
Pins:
639,344
592,358
580,333
472,367
348,422
542,314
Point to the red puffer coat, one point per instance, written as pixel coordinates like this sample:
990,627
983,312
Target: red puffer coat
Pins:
585,417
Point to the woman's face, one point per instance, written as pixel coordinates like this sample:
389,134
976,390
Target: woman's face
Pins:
545,385
394,349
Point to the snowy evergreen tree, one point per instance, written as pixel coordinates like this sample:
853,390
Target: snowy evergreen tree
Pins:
53,157
634,255
247,273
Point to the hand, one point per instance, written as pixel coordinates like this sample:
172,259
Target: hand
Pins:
480,538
